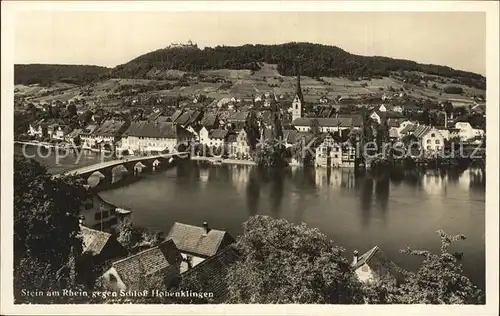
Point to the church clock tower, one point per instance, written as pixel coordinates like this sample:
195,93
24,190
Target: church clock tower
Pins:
298,100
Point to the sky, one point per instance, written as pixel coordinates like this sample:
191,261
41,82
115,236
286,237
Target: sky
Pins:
455,39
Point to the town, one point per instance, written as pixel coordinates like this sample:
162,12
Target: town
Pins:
231,130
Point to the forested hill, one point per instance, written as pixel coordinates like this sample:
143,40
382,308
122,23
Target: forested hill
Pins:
316,60
45,74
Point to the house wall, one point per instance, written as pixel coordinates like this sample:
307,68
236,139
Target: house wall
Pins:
240,146
195,260
365,273
93,217
204,139
339,157
134,143
465,130
115,285
375,117
324,129
433,141
296,108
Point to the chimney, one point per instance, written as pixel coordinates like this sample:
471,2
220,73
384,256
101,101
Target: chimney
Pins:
205,226
356,257
189,261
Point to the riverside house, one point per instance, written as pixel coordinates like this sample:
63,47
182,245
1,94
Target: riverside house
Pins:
335,151
108,133
238,145
98,214
88,141
467,132
144,136
214,138
431,139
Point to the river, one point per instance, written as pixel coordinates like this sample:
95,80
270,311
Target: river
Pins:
392,210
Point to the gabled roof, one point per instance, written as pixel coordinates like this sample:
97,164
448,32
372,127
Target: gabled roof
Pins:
218,133
240,116
328,122
163,118
393,132
209,119
147,262
93,240
409,128
394,122
89,129
74,133
421,130
176,115
231,138
110,128
380,264
211,273
152,130
195,240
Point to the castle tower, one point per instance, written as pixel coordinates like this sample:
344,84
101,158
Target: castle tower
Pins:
298,100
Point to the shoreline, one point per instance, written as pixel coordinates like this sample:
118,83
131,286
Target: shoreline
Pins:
224,161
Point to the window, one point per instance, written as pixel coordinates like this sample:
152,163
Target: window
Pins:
428,147
113,221
433,135
428,141
437,141
112,278
336,156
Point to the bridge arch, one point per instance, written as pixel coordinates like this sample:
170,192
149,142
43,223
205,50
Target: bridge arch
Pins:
95,178
118,173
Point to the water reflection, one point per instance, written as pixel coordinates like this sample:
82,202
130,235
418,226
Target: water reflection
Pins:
382,193
253,193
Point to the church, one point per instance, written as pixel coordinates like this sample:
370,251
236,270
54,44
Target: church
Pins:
298,101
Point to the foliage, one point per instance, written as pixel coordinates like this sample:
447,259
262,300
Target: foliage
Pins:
453,90
45,74
270,154
252,130
315,127
286,263
316,61
439,280
46,228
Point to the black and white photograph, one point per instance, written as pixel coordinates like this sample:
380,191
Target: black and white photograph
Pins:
301,158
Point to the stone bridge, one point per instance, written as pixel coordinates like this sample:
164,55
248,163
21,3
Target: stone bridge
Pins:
114,172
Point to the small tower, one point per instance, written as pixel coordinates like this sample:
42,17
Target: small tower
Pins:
298,100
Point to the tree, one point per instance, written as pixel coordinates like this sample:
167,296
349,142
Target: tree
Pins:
126,236
252,130
286,263
45,213
315,127
71,109
270,154
382,133
439,280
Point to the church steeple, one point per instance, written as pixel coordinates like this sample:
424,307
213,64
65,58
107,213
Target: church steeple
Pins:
298,100
298,91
